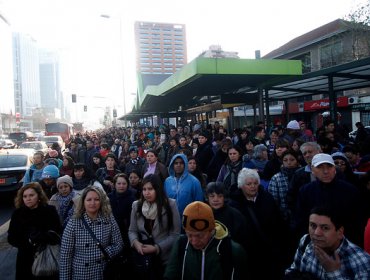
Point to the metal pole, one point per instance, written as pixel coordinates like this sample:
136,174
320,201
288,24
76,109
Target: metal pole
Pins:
123,71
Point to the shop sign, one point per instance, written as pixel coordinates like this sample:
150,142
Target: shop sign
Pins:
324,103
361,107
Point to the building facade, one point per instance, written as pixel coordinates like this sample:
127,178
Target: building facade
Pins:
161,47
26,74
332,44
7,110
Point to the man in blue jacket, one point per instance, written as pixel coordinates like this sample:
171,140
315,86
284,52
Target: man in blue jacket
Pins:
33,174
181,185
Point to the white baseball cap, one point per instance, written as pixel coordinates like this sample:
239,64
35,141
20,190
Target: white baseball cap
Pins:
293,125
322,158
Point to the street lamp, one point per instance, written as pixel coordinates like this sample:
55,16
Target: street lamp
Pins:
122,63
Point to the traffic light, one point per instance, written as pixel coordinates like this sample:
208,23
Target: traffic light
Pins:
17,118
114,113
74,98
85,108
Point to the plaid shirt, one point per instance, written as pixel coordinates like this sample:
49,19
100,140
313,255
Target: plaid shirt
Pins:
355,263
278,188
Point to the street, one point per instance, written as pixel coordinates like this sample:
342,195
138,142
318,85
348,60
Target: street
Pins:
7,252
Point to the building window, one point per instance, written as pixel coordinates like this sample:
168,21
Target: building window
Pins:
331,54
306,62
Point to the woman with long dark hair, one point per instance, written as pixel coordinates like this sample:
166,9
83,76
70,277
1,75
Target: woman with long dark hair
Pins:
135,182
121,199
155,224
274,164
229,171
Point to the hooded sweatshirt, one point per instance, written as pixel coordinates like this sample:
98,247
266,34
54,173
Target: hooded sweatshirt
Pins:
206,264
184,189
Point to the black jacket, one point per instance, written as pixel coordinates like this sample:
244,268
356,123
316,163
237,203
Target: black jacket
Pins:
31,226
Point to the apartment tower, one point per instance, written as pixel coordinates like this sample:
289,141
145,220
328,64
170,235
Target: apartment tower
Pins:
161,47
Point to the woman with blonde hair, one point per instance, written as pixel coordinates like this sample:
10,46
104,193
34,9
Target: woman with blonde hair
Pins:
90,238
33,224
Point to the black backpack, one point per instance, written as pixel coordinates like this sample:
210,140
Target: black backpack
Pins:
224,249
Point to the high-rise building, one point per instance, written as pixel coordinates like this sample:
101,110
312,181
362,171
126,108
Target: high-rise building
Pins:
161,47
51,97
6,69
26,74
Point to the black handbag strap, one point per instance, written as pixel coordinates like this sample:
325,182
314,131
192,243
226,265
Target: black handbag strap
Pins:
97,242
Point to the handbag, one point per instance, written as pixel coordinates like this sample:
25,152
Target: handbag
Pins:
46,262
145,265
113,267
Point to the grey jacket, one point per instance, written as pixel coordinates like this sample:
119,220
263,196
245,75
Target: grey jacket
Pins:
163,238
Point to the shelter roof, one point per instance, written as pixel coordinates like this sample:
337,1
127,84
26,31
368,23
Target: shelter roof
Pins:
213,77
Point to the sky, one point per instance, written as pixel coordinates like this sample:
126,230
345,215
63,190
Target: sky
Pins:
89,44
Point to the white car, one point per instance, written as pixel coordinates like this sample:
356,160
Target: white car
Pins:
54,139
36,145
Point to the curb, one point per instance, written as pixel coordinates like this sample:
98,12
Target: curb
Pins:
4,228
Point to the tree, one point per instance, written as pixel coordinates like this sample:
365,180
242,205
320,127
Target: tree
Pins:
359,20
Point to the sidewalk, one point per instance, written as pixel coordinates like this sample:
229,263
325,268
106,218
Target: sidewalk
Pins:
8,255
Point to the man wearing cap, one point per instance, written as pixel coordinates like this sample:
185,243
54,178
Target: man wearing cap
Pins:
135,162
303,175
292,132
206,252
337,194
48,180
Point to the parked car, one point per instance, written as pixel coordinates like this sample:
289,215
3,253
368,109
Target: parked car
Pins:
13,165
7,144
49,140
20,137
36,145
352,134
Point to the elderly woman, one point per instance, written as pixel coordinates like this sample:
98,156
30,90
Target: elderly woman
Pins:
259,159
80,256
264,226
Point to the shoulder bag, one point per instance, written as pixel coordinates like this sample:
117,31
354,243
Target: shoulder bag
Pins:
46,262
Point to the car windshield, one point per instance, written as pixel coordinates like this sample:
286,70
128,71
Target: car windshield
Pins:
7,161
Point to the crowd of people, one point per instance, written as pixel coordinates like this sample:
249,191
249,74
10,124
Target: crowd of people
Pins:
200,203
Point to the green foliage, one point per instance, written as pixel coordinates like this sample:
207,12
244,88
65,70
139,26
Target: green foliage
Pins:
360,15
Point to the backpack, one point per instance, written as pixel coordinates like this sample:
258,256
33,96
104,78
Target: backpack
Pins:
224,249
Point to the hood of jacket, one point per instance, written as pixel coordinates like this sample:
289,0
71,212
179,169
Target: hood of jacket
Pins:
170,167
221,230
